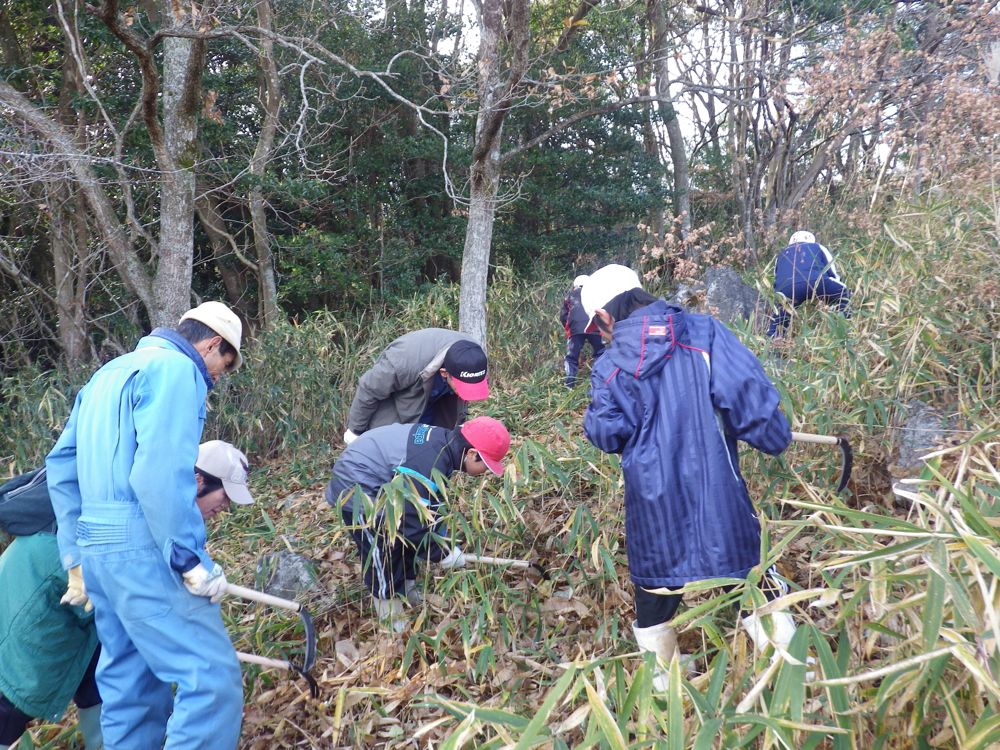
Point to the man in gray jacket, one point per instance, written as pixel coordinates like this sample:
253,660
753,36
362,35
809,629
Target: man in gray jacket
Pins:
424,376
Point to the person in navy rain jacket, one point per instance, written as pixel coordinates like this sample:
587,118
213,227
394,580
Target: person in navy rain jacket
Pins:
673,393
579,329
803,270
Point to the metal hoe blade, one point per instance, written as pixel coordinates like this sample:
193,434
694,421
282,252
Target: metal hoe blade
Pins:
846,452
309,658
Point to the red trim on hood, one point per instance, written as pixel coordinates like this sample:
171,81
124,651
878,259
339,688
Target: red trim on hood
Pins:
642,351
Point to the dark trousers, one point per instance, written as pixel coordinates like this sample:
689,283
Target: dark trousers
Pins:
574,348
654,609
13,721
798,291
385,565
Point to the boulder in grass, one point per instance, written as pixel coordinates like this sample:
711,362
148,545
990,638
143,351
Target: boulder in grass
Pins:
921,430
721,293
286,574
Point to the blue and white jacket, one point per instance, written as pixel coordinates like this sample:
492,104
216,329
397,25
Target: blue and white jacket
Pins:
672,394
421,452
803,262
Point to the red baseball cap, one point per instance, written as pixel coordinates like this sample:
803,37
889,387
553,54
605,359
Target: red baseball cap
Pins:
490,438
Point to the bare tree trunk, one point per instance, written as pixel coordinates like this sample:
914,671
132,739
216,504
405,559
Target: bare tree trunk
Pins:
223,244
678,151
127,263
495,97
182,66
478,240
267,285
649,144
69,270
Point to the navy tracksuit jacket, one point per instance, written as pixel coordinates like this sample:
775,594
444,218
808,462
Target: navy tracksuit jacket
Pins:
672,394
802,271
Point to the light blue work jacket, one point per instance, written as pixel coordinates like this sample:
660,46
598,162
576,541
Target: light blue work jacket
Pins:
122,473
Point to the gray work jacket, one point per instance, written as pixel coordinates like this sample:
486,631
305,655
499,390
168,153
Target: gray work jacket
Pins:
398,385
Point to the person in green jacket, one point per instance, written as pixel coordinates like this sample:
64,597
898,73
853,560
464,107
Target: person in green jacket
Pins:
49,650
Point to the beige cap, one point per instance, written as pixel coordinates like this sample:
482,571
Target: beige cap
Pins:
223,321
224,461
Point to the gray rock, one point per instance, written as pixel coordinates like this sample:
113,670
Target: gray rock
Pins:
922,429
286,574
721,293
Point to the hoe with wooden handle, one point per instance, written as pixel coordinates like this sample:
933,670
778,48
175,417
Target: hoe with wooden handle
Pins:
846,452
310,655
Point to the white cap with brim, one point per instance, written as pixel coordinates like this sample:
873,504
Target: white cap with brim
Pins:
227,463
604,285
802,237
223,321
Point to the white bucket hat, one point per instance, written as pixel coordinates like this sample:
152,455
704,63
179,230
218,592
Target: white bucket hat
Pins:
224,461
604,285
222,320
802,236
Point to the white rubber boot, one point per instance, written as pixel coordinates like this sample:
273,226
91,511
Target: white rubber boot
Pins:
390,613
661,640
782,632
413,593
90,727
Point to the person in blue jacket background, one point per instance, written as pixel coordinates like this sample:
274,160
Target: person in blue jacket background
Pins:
673,393
804,270
132,538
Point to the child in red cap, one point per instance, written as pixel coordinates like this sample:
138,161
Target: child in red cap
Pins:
425,456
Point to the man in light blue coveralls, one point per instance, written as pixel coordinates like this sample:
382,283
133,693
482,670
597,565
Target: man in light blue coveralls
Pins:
121,484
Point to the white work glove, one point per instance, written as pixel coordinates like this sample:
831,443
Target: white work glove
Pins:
455,559
76,591
349,437
203,582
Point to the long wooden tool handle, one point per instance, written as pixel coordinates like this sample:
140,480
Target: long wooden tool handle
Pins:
262,661
807,437
498,561
260,596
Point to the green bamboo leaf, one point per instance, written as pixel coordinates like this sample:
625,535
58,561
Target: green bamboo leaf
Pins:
488,715
985,735
606,722
537,723
675,708
707,735
839,699
939,564
933,610
866,520
981,551
892,551
462,734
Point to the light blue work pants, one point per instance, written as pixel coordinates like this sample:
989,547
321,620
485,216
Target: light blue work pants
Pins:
155,634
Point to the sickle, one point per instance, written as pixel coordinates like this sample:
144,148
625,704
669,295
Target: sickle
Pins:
847,453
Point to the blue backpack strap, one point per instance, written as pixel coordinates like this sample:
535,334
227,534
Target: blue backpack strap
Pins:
420,478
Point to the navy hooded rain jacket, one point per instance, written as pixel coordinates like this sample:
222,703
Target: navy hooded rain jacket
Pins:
672,394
